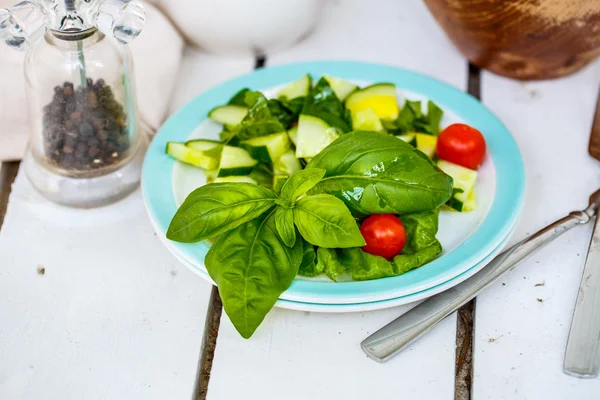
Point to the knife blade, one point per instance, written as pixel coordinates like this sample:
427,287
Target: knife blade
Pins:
582,356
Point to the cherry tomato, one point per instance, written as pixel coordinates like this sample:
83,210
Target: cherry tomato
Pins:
462,145
385,235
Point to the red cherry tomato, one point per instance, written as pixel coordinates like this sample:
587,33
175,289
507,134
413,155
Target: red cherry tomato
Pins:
462,145
385,235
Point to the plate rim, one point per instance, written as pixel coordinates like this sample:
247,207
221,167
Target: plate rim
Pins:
504,211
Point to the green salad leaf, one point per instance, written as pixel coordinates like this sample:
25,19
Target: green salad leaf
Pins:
252,267
412,119
300,183
284,221
324,104
379,174
239,99
309,266
421,247
324,221
260,120
216,208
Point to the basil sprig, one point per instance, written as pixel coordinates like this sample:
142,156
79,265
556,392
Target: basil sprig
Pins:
264,238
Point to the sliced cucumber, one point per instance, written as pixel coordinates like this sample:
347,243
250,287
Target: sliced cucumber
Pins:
209,147
211,175
380,97
367,120
410,138
235,161
427,144
464,184
314,135
471,202
246,179
267,148
340,87
287,164
181,152
299,88
293,134
278,182
229,115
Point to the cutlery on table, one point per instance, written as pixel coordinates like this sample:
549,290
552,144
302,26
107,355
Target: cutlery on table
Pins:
582,357
398,334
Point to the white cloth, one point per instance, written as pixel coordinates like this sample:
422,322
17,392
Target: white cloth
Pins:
157,55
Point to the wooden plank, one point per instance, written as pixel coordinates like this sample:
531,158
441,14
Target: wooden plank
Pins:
523,321
92,304
302,355
466,314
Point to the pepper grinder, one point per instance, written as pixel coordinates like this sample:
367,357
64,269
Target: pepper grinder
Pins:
85,146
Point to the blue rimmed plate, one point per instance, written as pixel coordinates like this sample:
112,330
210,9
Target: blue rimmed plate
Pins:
467,238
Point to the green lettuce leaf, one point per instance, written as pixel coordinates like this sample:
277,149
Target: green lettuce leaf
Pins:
324,104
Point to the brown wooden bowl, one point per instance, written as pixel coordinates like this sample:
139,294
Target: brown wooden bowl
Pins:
523,39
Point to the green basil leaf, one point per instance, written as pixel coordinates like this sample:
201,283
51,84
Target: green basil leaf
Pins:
217,208
252,267
309,266
259,121
284,221
324,221
378,174
300,183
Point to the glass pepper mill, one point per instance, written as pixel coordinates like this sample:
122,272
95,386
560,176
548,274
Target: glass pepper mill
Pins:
86,146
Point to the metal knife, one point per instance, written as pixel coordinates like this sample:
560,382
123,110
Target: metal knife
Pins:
391,339
582,357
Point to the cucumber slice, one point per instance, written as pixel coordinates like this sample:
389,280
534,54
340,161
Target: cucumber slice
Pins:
380,97
211,175
211,148
299,88
464,183
235,161
246,179
228,115
314,135
366,120
278,182
267,148
340,87
293,134
410,138
181,152
471,202
427,144
287,164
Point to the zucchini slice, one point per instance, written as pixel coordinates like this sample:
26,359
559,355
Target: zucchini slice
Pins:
340,87
293,134
229,115
278,182
267,148
410,138
181,152
366,120
246,179
314,135
235,161
287,164
426,143
299,88
464,184
380,97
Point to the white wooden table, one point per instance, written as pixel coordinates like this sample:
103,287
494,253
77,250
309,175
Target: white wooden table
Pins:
93,307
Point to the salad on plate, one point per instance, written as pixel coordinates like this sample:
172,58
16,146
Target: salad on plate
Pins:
327,179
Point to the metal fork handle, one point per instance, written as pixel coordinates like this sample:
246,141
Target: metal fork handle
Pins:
398,334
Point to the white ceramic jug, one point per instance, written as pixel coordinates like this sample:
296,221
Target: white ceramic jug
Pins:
243,27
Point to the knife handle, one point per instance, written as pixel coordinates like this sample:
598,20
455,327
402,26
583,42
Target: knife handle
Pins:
398,334
582,358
